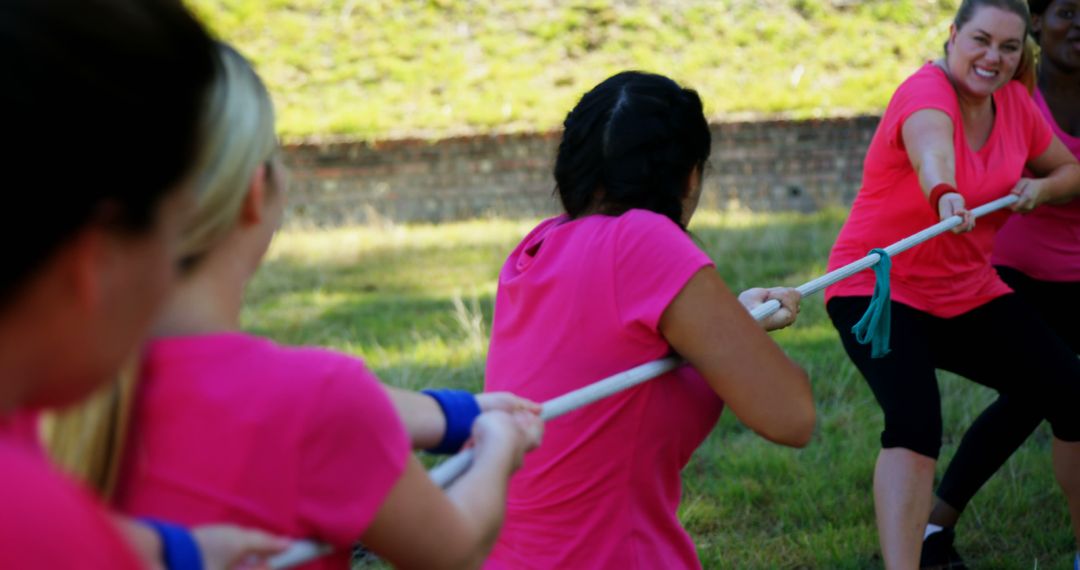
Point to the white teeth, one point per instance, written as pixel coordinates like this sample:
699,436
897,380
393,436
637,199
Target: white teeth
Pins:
984,73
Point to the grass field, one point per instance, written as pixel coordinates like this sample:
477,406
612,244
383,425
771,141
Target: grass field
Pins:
415,302
386,68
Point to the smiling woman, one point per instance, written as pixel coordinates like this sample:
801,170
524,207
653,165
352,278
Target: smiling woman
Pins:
1038,255
985,45
960,132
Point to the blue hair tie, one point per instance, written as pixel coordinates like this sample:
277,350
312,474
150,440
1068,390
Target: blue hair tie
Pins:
873,327
178,548
460,409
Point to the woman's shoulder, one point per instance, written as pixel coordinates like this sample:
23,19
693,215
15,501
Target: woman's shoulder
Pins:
544,227
320,364
929,75
639,219
927,84
649,237
38,502
254,362
1015,94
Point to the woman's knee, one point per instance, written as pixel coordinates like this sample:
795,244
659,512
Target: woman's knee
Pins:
920,433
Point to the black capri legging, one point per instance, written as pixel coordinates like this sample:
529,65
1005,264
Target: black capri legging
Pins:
1004,425
1002,344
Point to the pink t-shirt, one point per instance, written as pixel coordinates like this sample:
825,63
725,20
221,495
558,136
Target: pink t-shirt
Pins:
301,442
49,521
950,274
579,301
1045,243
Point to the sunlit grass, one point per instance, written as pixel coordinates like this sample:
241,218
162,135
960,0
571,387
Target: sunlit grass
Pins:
382,68
416,301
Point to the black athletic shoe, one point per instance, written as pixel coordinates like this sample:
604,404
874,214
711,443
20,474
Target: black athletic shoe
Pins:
938,552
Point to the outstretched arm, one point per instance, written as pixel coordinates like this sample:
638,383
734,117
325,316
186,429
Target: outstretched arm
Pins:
424,420
765,389
928,139
420,526
1059,181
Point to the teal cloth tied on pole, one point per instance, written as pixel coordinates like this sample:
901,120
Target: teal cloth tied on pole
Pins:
873,327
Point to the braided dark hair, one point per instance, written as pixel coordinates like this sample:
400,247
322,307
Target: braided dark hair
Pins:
633,141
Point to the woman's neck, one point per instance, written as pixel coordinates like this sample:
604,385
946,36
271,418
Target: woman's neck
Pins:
1054,80
971,107
206,301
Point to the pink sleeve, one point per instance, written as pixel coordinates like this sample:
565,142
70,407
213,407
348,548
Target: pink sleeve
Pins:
354,451
926,89
654,259
1039,132
47,521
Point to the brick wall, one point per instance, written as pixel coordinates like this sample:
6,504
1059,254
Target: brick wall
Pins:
761,165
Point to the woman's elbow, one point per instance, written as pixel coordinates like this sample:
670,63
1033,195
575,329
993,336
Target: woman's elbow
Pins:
793,424
803,428
794,429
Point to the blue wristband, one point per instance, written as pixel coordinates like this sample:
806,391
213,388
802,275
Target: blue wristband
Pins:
178,548
460,409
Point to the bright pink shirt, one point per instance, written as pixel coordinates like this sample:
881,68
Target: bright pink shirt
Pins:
580,300
950,274
301,442
1044,244
48,521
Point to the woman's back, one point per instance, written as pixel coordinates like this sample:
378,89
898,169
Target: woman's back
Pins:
580,300
234,428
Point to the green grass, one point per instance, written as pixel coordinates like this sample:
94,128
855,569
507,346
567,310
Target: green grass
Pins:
386,68
416,302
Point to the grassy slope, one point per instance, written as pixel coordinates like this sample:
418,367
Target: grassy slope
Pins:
378,68
389,295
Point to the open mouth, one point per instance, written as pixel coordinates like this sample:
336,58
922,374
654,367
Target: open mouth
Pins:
985,73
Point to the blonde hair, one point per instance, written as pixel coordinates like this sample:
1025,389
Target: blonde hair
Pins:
87,440
1027,71
238,137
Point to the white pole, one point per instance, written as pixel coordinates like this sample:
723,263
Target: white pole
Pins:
301,552
448,471
839,274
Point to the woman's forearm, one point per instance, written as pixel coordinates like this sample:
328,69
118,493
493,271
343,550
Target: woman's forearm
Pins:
1063,185
423,418
928,139
480,494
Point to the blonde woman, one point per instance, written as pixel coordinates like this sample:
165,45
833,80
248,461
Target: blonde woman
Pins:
93,261
230,427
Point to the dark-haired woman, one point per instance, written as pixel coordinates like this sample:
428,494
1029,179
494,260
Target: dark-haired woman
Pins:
1038,256
613,283
959,132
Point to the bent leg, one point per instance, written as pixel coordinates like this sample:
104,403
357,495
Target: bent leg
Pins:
902,483
1024,360
1067,472
994,436
905,386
